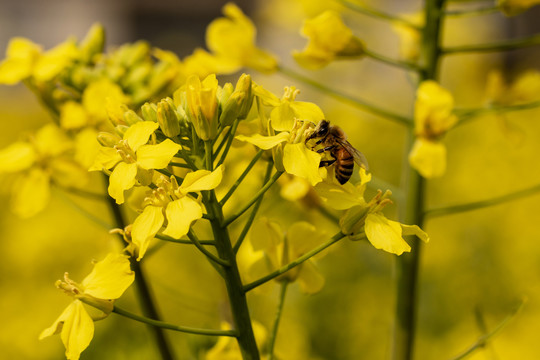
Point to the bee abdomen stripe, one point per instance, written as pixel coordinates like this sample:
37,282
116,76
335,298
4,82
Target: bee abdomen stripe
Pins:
345,171
347,166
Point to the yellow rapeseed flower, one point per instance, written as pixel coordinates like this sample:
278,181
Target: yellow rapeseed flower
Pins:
132,158
433,117
107,282
273,248
232,40
328,39
174,203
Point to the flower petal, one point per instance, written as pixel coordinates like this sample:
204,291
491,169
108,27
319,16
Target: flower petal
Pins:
385,234
146,225
122,178
16,157
428,158
415,230
105,159
310,279
266,235
157,156
300,161
180,214
31,194
202,180
265,142
76,327
109,278
282,117
302,237
139,133
341,197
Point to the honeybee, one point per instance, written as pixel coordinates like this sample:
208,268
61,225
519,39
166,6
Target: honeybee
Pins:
334,140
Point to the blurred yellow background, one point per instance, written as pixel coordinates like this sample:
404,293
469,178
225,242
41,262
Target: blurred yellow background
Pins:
479,262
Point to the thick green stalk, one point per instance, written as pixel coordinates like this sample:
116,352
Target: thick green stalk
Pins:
230,273
408,264
144,293
233,282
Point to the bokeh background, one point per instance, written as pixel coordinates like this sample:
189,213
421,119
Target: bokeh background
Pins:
477,268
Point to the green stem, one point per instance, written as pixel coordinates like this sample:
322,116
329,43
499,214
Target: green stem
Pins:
241,178
282,294
482,204
259,194
164,325
327,214
144,293
361,104
465,115
253,213
233,282
512,44
483,340
229,142
407,265
181,165
294,263
472,12
191,235
378,14
230,273
223,142
181,241
392,62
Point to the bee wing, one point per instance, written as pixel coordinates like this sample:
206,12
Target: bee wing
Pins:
359,158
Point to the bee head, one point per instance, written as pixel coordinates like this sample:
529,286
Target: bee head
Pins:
320,130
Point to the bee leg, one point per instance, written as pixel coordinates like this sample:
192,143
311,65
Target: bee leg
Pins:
320,151
326,162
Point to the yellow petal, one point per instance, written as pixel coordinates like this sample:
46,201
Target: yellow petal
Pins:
98,93
385,234
310,279
76,327
265,142
73,115
53,61
302,237
52,140
180,214
16,157
31,194
122,178
139,133
282,117
300,161
146,226
109,278
307,111
294,188
87,149
433,110
266,235
105,159
340,197
21,56
202,180
415,230
157,156
428,158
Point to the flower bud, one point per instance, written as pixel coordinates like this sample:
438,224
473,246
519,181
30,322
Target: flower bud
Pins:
149,112
93,43
107,139
353,221
131,117
202,105
168,119
239,103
